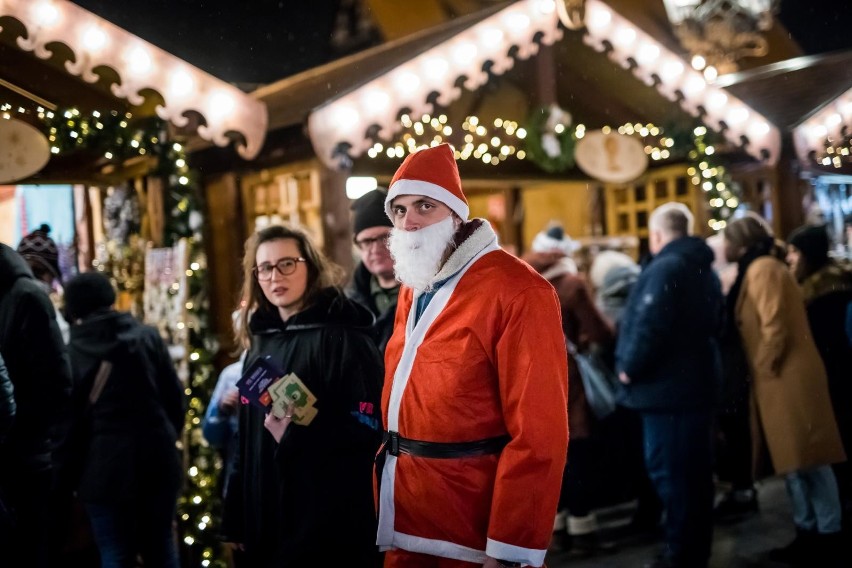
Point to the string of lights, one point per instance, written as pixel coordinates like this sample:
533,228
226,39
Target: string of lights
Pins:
492,144
713,178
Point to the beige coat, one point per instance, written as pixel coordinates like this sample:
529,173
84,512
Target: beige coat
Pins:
791,415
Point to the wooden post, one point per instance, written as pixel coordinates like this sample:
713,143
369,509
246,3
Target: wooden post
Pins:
224,245
336,225
787,192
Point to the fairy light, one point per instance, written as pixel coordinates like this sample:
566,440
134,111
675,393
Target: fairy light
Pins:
502,136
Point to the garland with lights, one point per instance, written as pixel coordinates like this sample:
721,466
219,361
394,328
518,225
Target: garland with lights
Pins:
117,137
712,178
199,505
550,142
491,146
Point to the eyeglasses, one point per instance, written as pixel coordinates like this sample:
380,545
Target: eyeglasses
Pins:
285,266
367,244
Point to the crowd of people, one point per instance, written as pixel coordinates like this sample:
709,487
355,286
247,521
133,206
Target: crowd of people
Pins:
448,413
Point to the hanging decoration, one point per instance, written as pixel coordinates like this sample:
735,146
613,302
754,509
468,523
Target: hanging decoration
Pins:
23,150
550,140
611,157
117,137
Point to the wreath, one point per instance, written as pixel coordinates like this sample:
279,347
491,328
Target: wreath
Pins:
549,149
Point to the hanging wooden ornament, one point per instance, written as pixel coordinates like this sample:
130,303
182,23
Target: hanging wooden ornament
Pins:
24,150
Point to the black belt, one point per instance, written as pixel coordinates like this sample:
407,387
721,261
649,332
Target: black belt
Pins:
394,444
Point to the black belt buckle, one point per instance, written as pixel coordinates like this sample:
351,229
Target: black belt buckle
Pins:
393,443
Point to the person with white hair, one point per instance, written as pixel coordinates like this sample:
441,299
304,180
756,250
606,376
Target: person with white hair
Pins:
668,360
612,275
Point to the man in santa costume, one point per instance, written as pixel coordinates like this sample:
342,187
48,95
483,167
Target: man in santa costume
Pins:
474,401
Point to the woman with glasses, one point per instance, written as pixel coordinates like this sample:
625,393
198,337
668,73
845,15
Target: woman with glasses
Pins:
301,494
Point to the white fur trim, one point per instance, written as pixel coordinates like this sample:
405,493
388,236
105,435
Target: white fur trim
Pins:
427,189
433,547
563,266
582,525
512,553
545,243
559,521
482,238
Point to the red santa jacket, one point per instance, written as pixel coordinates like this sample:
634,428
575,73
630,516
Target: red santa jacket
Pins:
486,358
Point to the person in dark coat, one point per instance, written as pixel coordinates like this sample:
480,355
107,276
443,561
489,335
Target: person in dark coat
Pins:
668,360
827,290
373,283
129,468
42,255
302,495
37,363
7,401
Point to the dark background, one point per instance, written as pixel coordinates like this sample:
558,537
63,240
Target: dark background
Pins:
261,41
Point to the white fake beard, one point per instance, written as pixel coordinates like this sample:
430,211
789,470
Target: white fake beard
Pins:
417,254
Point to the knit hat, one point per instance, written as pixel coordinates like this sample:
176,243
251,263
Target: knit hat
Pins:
812,241
555,240
86,293
369,211
431,172
41,250
608,261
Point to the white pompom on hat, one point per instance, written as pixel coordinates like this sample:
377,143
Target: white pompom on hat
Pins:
431,172
554,239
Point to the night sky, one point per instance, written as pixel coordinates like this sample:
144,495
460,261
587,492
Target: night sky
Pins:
241,41
260,41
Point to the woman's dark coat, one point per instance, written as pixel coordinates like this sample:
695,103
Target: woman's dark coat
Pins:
309,500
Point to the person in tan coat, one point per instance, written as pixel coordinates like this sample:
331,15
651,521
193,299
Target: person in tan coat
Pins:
792,420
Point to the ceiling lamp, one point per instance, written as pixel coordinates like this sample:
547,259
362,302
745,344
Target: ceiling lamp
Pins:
718,33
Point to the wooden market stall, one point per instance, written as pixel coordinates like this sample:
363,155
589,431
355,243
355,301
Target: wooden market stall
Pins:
109,114
508,63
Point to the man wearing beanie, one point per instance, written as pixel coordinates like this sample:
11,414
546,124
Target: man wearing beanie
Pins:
37,363
128,474
475,386
827,291
373,283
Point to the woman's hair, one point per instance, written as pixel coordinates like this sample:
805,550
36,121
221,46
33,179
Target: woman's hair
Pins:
322,273
748,230
751,232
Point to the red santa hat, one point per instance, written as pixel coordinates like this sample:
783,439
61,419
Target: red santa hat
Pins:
431,172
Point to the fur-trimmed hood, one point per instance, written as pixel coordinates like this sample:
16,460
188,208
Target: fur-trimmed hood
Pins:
471,238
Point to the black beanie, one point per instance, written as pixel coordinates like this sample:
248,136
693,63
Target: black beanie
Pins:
87,293
812,241
39,249
369,211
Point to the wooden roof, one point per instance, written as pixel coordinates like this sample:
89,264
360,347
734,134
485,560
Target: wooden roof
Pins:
290,100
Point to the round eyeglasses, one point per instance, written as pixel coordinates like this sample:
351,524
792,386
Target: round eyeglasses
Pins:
367,243
285,266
